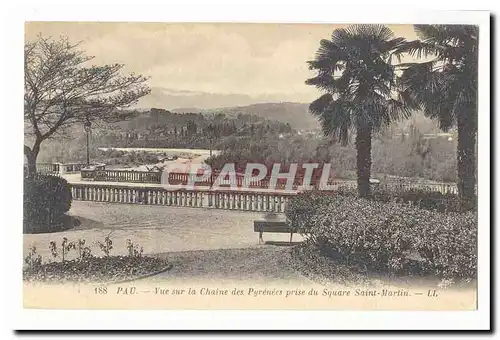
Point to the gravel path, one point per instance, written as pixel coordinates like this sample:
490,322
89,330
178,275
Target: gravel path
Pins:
158,229
263,264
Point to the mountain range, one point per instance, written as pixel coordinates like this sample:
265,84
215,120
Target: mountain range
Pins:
181,101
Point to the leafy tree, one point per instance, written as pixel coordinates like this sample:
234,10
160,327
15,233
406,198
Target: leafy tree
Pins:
61,89
355,71
445,87
213,132
420,145
191,128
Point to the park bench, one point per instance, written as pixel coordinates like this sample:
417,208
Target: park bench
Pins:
263,226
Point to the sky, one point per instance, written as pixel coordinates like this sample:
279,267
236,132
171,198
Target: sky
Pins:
262,61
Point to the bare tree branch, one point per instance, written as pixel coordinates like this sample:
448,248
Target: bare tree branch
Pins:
61,88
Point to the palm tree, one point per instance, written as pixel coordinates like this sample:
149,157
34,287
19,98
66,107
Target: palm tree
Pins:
355,71
445,87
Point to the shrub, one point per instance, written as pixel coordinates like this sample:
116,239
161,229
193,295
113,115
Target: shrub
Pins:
381,194
46,199
301,211
422,198
383,235
449,245
431,200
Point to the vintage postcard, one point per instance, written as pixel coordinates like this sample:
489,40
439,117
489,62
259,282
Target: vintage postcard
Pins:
252,166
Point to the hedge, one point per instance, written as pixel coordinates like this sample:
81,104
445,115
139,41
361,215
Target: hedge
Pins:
46,200
425,199
383,235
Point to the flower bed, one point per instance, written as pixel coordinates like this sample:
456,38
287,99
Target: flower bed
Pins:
89,268
96,269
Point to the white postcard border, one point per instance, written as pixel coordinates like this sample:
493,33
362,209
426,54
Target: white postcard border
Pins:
181,12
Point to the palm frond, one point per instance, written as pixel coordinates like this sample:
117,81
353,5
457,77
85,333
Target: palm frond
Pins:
446,34
323,81
368,32
341,37
418,49
321,104
355,67
333,116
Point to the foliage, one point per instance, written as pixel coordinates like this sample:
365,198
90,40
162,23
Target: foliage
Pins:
66,246
447,84
133,249
449,246
301,212
96,269
33,260
445,87
61,90
46,199
88,268
354,69
106,246
431,200
53,249
392,156
111,157
384,235
421,198
83,251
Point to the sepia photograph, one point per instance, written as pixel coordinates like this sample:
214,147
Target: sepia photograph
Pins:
252,165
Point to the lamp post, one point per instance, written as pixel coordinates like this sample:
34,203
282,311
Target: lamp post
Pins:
88,127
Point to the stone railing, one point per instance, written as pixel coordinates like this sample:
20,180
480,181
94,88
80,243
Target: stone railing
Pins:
59,169
46,168
174,178
69,168
230,200
216,199
155,177
130,176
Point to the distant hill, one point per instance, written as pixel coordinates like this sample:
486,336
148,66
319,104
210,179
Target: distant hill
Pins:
141,121
270,107
296,114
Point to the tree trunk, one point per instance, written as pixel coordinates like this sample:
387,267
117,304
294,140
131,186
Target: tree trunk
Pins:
31,155
364,159
466,161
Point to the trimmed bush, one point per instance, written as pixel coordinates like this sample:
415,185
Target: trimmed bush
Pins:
301,212
386,235
431,200
448,245
422,198
46,200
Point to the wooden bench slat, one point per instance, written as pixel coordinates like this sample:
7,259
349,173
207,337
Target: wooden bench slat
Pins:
267,223
272,227
272,230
